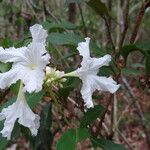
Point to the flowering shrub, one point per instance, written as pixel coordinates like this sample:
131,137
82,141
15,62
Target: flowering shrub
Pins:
29,66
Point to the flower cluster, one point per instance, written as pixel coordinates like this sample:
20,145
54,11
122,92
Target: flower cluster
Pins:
29,66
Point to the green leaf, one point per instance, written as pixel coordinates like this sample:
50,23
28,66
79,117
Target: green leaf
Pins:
15,87
144,46
73,40
91,115
74,1
62,25
6,43
64,39
106,71
127,49
3,143
4,67
71,137
147,64
99,7
68,86
34,98
9,102
128,72
44,130
106,144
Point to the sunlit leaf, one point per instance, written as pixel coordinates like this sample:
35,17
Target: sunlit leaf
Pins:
106,144
71,137
127,49
74,1
91,115
98,6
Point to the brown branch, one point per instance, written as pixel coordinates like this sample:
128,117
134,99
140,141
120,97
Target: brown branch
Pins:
139,20
48,12
109,33
126,22
82,18
72,12
103,115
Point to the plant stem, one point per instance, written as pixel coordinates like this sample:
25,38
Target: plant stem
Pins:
81,13
138,21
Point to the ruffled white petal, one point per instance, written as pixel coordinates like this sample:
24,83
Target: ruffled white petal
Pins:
21,111
8,78
86,92
12,54
39,34
33,80
99,62
92,65
92,83
37,54
83,48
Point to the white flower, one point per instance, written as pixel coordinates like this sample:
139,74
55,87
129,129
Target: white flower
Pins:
28,65
21,111
28,62
88,74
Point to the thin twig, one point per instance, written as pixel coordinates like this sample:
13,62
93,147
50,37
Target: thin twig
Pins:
103,115
139,110
117,48
126,22
139,18
48,12
109,33
115,107
81,13
124,139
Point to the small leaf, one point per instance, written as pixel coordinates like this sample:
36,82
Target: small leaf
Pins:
106,71
127,49
44,130
144,46
6,43
91,115
73,40
9,102
62,25
34,98
147,64
64,39
71,137
99,7
106,144
68,86
74,1
3,141
133,72
4,67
